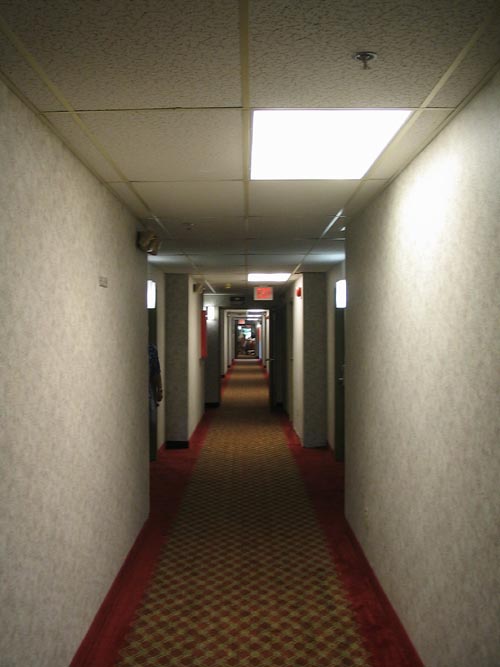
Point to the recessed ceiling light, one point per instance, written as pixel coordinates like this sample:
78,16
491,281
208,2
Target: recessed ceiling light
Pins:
313,144
268,277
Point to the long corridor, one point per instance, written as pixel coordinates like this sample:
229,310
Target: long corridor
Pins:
256,567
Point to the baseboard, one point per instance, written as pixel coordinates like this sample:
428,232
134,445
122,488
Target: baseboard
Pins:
177,444
106,631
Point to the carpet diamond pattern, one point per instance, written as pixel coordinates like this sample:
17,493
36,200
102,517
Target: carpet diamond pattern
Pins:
245,578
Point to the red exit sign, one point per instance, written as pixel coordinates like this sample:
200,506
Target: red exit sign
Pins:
263,293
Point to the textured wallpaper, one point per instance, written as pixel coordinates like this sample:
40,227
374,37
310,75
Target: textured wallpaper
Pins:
175,377
314,360
184,369
74,446
422,390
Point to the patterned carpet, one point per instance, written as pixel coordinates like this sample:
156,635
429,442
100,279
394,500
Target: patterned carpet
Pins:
245,577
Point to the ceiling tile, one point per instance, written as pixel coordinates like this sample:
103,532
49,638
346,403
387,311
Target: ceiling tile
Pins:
274,227
200,246
322,262
162,145
220,275
327,247
299,198
24,77
301,53
213,260
483,56
155,53
172,263
168,246
189,200
283,262
126,195
367,191
282,247
401,151
211,231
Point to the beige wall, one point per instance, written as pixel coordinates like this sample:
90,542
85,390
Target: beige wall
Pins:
184,369
314,351
307,370
74,445
423,369
175,368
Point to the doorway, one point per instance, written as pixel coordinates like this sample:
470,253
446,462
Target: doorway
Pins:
339,366
153,422
245,343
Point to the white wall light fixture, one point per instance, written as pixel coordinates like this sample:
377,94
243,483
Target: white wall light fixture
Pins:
341,294
316,144
151,295
210,313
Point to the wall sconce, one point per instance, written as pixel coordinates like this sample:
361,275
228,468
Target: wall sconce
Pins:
341,294
210,313
151,295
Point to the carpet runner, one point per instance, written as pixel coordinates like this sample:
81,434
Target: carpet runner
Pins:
247,576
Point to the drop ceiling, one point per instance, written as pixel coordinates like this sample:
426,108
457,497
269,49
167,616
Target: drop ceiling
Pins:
156,98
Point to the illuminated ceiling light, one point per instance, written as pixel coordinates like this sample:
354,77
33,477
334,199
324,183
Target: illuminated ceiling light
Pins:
268,277
313,144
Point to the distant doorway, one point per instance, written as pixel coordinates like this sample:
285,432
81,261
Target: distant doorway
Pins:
153,422
245,340
339,431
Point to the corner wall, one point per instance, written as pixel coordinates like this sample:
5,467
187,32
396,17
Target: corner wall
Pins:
183,379
422,392
307,368
314,361
74,424
196,365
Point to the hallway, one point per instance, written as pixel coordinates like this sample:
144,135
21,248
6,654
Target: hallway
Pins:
128,141
256,568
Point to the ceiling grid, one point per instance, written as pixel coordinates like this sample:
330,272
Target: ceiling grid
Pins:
157,100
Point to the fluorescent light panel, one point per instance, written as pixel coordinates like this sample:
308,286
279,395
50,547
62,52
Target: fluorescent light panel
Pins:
268,277
307,144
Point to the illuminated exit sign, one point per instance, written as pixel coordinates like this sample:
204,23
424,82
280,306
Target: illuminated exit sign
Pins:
263,293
